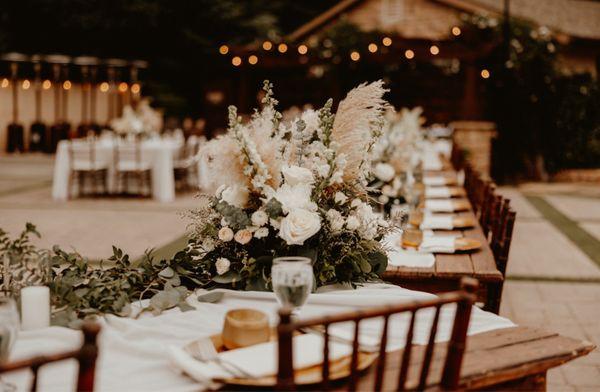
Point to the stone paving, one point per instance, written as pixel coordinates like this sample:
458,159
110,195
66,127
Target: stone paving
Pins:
551,282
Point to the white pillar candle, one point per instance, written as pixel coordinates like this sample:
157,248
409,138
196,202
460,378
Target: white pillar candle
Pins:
35,307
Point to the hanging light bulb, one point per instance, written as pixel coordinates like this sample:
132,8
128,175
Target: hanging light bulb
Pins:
282,48
252,60
123,87
302,49
135,88
456,31
373,47
5,83
46,84
224,49
434,50
67,85
386,41
236,61
355,56
26,84
267,45
485,73
409,54
104,87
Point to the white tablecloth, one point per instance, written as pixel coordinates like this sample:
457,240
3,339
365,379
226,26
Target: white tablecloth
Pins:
133,353
160,154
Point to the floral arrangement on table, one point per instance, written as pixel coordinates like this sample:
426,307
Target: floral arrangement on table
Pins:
297,189
141,120
396,155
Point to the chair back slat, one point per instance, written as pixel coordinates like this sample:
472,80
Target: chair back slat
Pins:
354,358
325,369
451,372
429,350
407,353
382,356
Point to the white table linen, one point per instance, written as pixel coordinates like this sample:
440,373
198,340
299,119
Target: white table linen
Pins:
134,353
159,154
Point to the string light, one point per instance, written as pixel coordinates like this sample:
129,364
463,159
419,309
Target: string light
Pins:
123,87
434,50
373,48
409,54
355,56
236,61
282,48
386,41
26,84
485,73
67,85
5,83
46,84
224,49
267,45
456,31
135,88
252,60
104,86
302,49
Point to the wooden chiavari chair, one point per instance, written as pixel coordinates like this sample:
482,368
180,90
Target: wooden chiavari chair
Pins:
450,374
86,356
487,205
85,165
129,164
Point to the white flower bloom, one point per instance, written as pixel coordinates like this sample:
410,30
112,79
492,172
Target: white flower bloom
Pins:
225,234
236,195
388,191
208,245
336,220
222,265
243,236
224,222
299,225
352,223
295,197
295,175
275,223
323,170
356,203
261,233
259,218
220,190
340,198
384,172
383,199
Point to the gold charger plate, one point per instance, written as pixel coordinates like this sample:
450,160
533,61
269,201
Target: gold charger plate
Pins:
338,369
461,205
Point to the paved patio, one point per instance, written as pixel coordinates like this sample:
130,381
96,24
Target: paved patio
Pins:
553,274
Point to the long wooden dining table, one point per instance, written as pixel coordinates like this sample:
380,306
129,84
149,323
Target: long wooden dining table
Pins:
448,269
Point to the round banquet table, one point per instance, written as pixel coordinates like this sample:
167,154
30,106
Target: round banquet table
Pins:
159,153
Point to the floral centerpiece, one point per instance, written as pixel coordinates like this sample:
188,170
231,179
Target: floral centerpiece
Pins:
296,189
396,155
141,120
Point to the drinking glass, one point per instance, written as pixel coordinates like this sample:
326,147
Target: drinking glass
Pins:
292,281
9,325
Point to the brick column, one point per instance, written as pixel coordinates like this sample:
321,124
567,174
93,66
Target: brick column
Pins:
475,137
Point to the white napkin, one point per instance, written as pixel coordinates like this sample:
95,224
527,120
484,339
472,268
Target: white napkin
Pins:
434,181
437,244
399,257
432,161
437,221
439,205
437,192
259,360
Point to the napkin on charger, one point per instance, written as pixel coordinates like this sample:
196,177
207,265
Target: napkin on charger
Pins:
308,351
437,221
399,257
438,244
437,192
439,206
434,181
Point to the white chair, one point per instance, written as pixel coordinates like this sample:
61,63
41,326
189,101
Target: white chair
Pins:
85,166
186,167
130,165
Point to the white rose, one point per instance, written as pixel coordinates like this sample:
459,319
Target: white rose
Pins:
224,222
222,265
295,197
383,199
276,223
259,218
336,220
295,175
299,225
225,234
243,236
235,195
355,203
352,223
340,198
261,233
384,172
220,190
